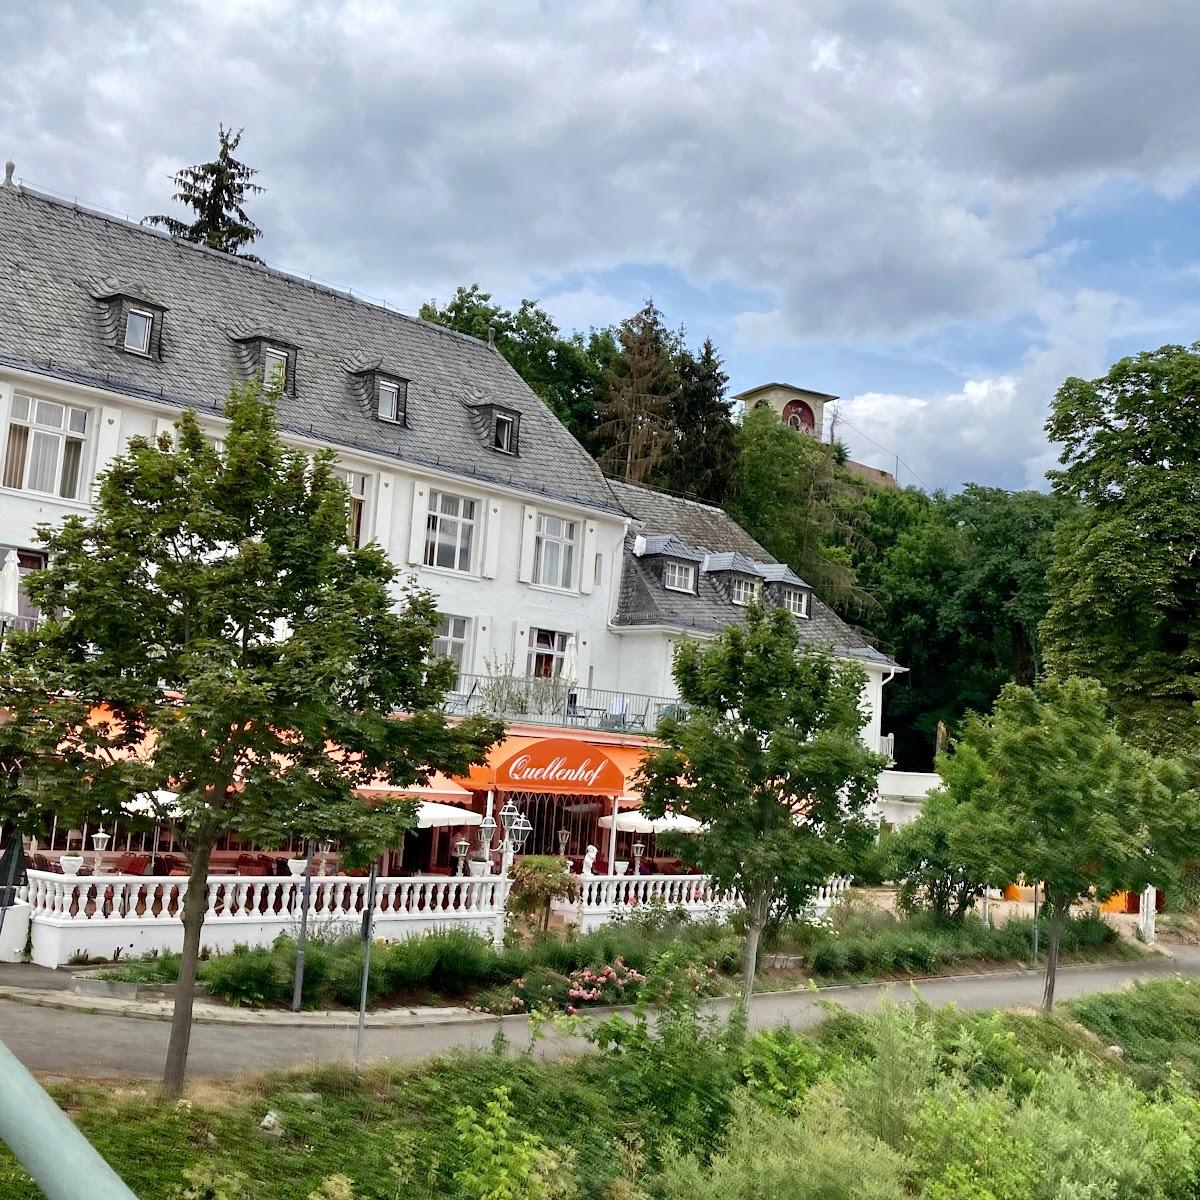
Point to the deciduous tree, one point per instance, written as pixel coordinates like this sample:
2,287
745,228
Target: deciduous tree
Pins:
768,757
1125,584
207,630
1048,790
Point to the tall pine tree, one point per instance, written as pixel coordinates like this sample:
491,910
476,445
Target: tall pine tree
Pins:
217,192
634,432
702,456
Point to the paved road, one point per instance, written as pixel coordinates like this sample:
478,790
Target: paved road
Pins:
82,1043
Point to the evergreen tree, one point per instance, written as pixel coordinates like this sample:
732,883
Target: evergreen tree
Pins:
217,192
702,456
642,383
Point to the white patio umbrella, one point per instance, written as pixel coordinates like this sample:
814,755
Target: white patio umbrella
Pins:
432,815
159,806
10,585
570,663
634,821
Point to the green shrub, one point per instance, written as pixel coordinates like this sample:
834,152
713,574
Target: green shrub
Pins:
253,977
345,975
410,964
464,960
779,1066
828,958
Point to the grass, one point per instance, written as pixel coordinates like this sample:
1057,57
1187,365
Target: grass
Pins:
390,1127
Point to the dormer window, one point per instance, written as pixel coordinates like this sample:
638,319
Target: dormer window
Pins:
796,602
504,435
275,368
743,591
391,400
679,577
139,327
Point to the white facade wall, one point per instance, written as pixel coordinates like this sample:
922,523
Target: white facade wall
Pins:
500,606
496,596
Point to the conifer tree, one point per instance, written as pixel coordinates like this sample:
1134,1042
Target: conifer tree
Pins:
634,432
702,456
217,192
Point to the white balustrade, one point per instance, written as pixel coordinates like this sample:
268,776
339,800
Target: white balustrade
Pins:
128,915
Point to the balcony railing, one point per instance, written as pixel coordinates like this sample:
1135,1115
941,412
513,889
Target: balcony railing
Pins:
550,701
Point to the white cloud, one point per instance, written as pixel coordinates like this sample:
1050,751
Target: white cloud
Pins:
991,429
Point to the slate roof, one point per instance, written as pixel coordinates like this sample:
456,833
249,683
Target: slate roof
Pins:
669,546
731,560
644,601
58,261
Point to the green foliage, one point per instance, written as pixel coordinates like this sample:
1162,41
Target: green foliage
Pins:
1047,788
791,495
539,880
1125,585
820,1154
502,1162
566,372
701,457
768,758
953,587
779,1067
206,628
216,191
919,859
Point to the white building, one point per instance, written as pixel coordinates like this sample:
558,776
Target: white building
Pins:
108,330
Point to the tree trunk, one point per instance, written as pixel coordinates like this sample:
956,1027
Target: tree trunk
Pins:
195,902
1057,913
756,918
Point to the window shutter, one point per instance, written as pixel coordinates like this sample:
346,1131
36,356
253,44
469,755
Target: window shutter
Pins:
164,425
108,435
491,543
587,573
528,533
417,522
385,495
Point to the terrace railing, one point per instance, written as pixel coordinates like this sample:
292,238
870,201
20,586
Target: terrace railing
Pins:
551,701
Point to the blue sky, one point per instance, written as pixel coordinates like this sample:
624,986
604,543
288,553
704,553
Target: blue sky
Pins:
936,211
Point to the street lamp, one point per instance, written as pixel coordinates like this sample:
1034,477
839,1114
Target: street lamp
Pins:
100,840
508,817
638,851
460,852
564,836
516,828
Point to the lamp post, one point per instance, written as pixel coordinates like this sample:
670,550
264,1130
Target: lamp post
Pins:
638,851
564,836
487,831
516,828
461,847
100,840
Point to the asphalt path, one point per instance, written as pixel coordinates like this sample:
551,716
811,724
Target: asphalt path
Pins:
77,1042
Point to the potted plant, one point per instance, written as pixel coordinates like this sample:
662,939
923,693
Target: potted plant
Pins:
70,863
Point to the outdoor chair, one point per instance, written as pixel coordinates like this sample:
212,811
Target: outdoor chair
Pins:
132,864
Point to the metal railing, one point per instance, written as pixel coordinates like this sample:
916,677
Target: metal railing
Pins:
551,701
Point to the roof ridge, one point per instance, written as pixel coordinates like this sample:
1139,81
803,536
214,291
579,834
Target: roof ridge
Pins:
670,495
280,273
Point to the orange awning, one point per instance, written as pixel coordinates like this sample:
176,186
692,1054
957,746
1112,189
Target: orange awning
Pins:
560,765
440,788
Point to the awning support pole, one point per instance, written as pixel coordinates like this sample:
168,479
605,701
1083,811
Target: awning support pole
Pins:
612,837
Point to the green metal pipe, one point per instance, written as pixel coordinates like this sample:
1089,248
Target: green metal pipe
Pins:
44,1140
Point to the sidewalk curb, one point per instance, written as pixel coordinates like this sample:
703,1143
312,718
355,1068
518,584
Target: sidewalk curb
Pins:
416,1018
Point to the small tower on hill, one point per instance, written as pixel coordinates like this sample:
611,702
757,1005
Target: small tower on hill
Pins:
797,407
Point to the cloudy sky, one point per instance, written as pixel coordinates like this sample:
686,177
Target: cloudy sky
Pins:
936,210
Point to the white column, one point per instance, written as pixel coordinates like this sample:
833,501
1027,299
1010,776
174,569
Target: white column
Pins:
612,837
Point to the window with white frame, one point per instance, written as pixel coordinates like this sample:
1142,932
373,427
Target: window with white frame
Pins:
449,531
391,400
505,438
275,368
452,640
796,602
45,447
743,590
139,325
554,551
358,485
679,577
547,653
